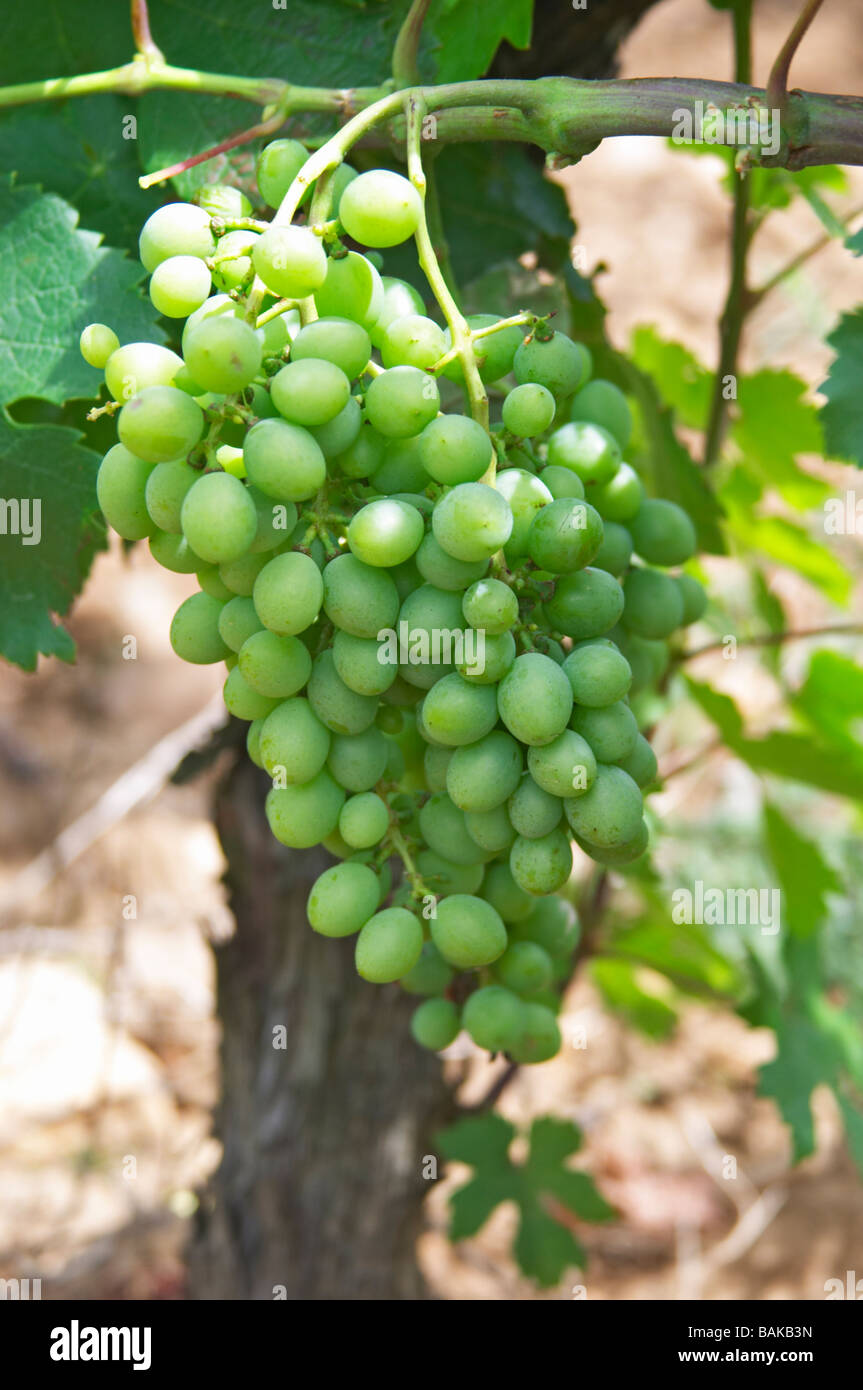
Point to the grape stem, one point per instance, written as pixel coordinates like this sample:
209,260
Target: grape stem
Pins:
775,639
419,888
284,306
514,321
405,70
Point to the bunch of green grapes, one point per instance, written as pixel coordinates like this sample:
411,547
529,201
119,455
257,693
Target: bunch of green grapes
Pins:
433,631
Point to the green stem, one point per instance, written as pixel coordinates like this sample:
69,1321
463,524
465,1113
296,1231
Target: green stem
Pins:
800,259
405,70
777,83
776,639
419,888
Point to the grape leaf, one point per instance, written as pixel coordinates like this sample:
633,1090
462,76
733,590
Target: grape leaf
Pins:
670,469
682,952
779,538
805,1058
804,875
831,697
855,243
55,279
469,33
683,382
48,465
544,1245
842,416
774,424
617,981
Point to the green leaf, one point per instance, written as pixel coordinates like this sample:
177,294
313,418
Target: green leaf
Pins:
683,382
45,464
473,1204
719,708
831,697
855,243
842,416
773,426
551,1141
482,1141
805,877
617,981
543,1247
825,214
469,33
682,952
853,1120
805,1058
55,279
780,539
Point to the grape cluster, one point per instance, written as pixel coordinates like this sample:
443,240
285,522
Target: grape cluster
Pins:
433,631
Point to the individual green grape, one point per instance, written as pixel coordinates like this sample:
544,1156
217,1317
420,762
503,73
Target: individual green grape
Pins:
565,767
363,457
310,392
586,604
195,634
380,208
121,487
177,229
494,352
432,620
242,701
598,672
468,931
588,450
662,533
232,268
364,820
385,532
490,605
179,285
528,410
301,816
443,828
361,662
276,521
241,575
533,812
336,705
526,495
443,878
174,553
455,449
471,521
647,657
640,763
290,260
222,353
223,200
358,598
492,663
624,853
337,340
610,812
435,1024
443,570
97,343
694,598
276,168
562,482
534,699
455,712
494,1017
431,975
388,946
506,897
552,925
615,553
218,518
273,665
412,341
611,731
492,830
482,775
165,491
293,742
436,760
401,467
402,401
160,423
136,366
524,967
352,288
539,1038
342,899
621,497
253,742
653,604
358,761
288,593
555,362
284,460
398,301
564,536
211,583
238,620
602,403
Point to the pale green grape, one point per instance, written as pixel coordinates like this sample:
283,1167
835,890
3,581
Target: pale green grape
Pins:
526,495
483,774
490,605
177,229
611,731
444,571
603,403
352,288
222,353
528,410
238,620
662,533
506,897
555,362
233,268
694,598
288,593
358,761
431,974
242,701
533,811
539,1038
358,598
276,168
179,285
494,1017
241,575
399,299
492,830
653,605
524,967
166,488
640,763
364,456
380,208
621,497
588,450
138,365
443,828
598,672
564,767
174,553
121,487
412,341
615,553
302,816
552,924
535,699
562,482
468,931
455,449
284,460
471,521
310,392
385,532
195,634
388,946
294,741
160,424
342,899
218,518
337,340
402,401
435,1024
273,665
610,812
336,705
401,466
223,200
97,343
362,664
455,712
564,536
291,261
364,820
586,604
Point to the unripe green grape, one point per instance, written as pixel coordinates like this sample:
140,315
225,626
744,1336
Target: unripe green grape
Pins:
611,731
524,967
380,208
492,830
443,828
528,410
430,614
483,775
539,1039
222,353
494,1017
358,761
626,852
218,518
276,521
166,488
610,812
358,598
284,460
603,403
402,401
273,665
276,168
385,532
291,261
121,485
526,495
195,634
294,742
160,424
412,341
177,229
244,702
431,975
506,897
455,449
615,553
436,760
97,343
352,288
653,604
136,366
468,931
173,553
361,662
533,811
556,363
337,340
640,763
647,657
588,450
598,673
310,392
241,574
336,705
435,1024
564,536
300,816
694,598
498,657
565,767
232,267
494,353
471,521
363,456
444,571
342,899
456,712
621,497
399,300
401,467
238,620
586,604
179,285
444,878
217,306
288,593
491,605
364,820
211,582
534,699
662,533
388,946
562,482
253,740
223,200
552,925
